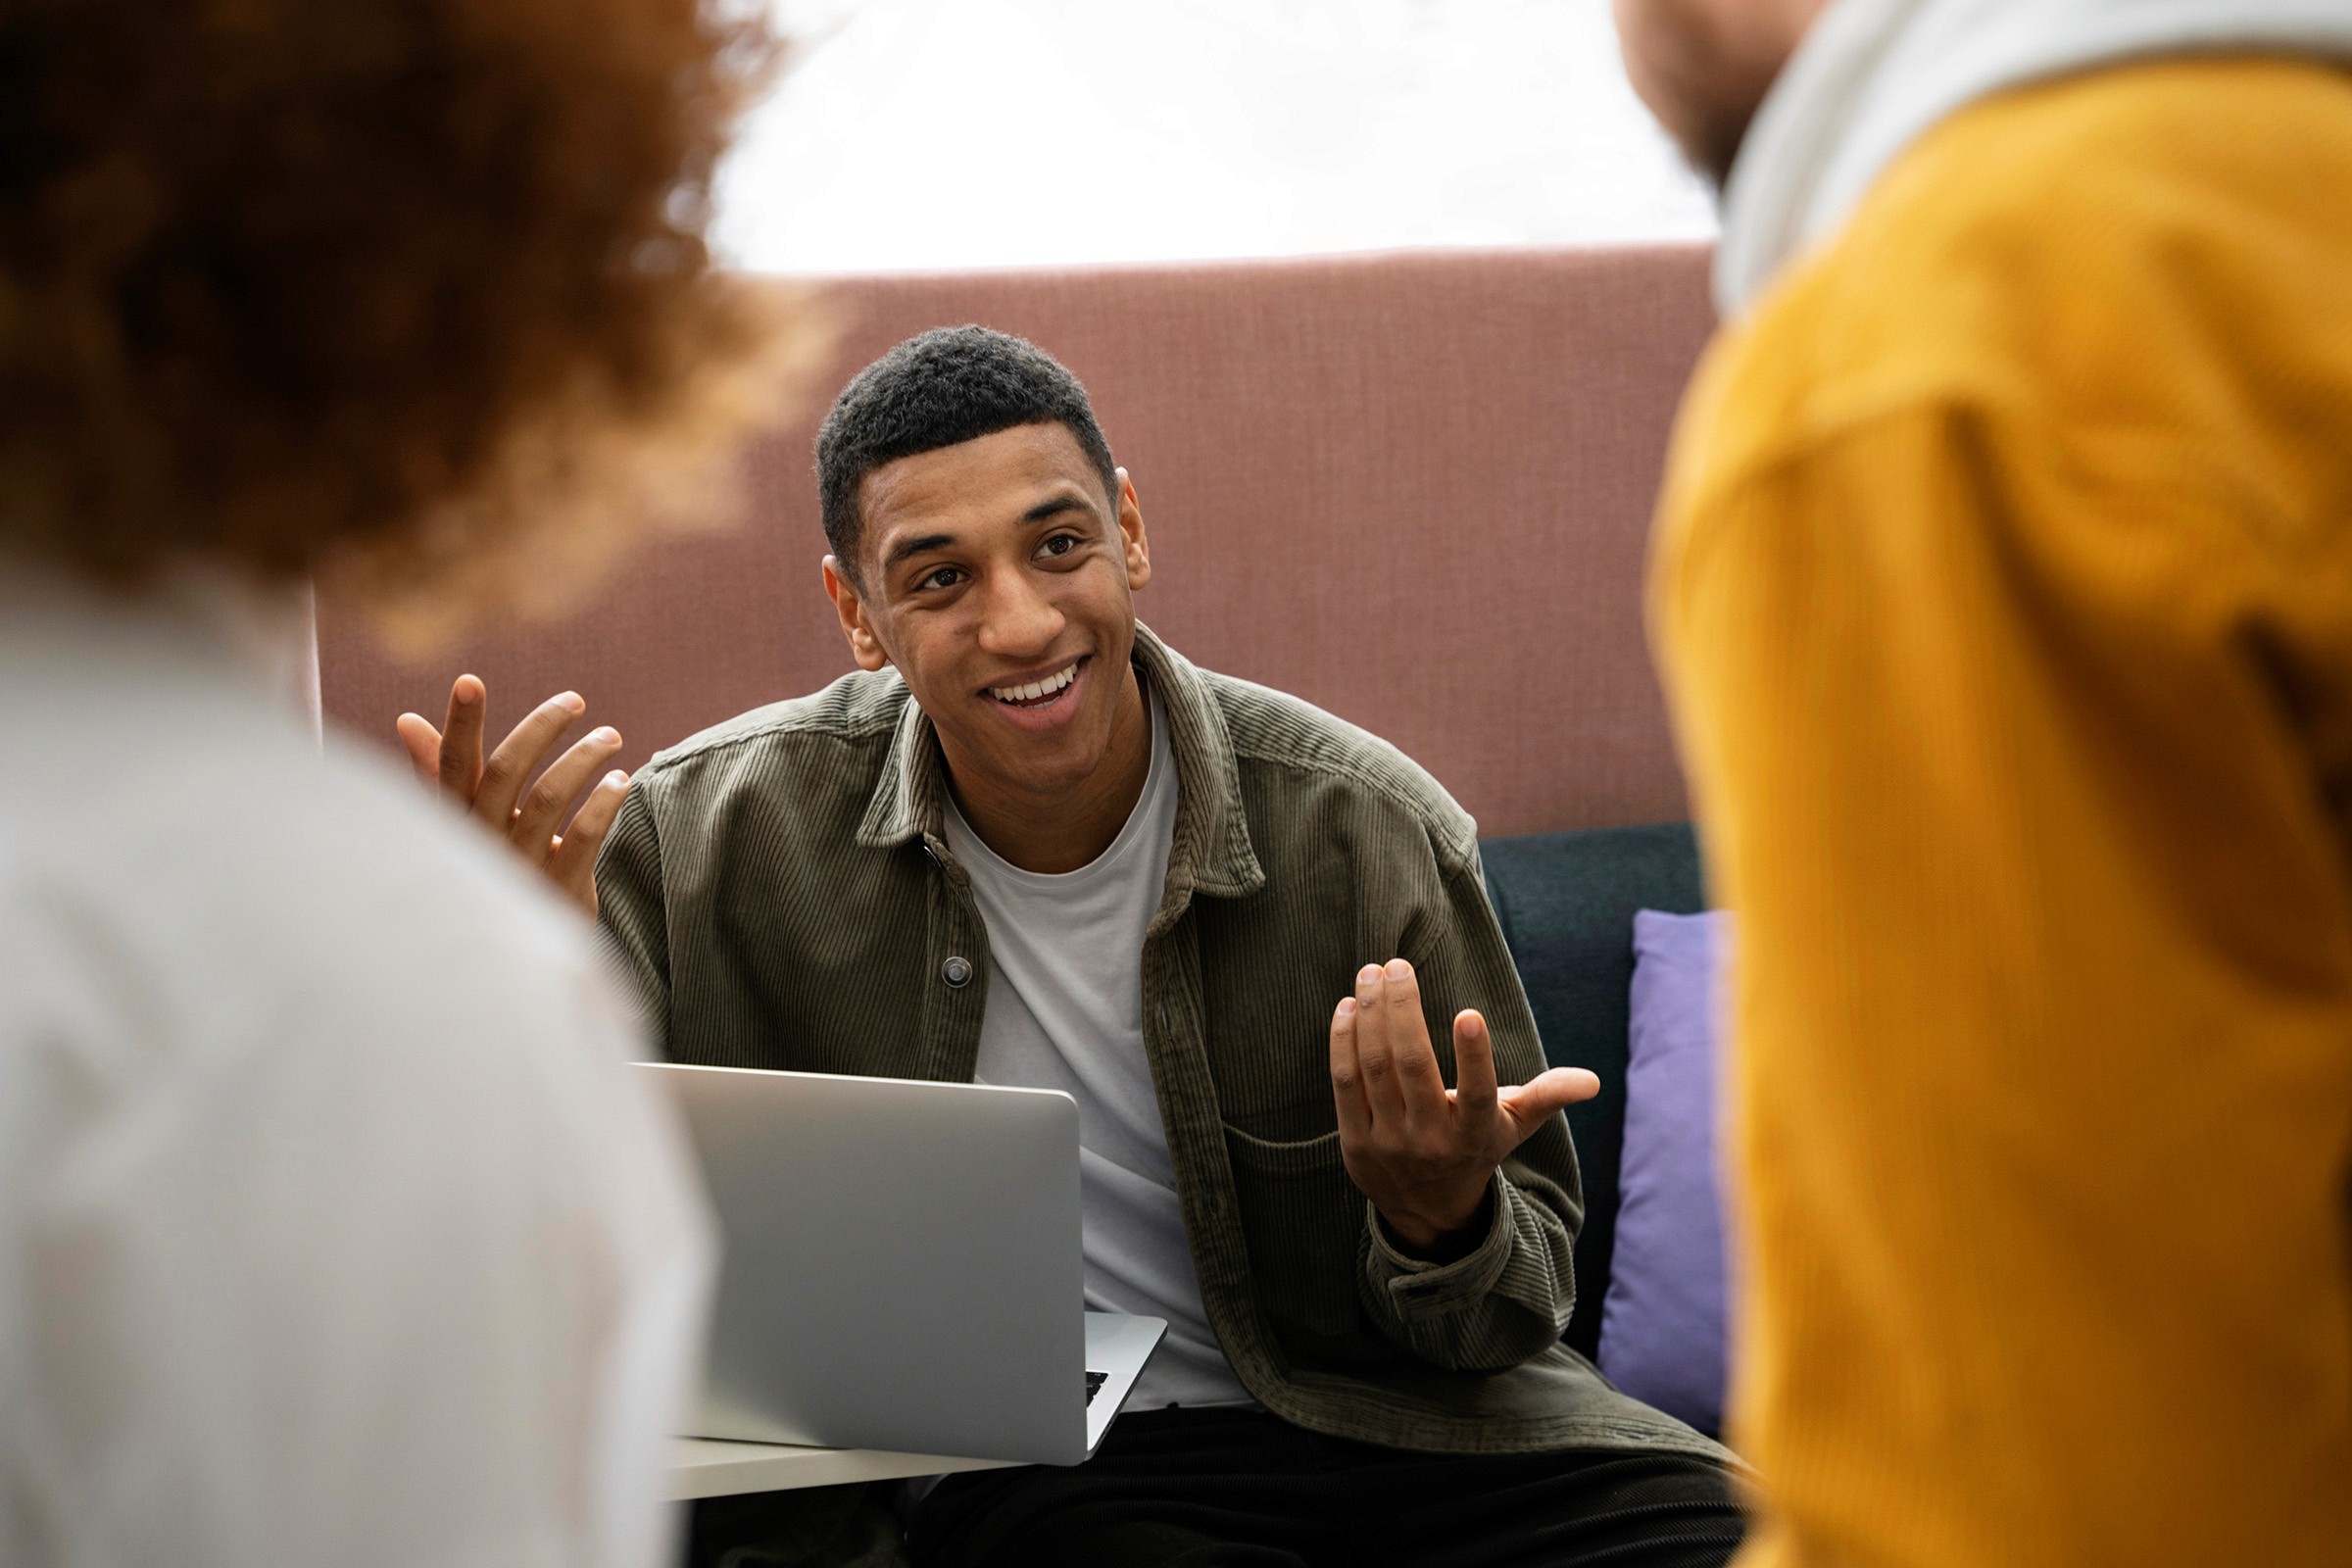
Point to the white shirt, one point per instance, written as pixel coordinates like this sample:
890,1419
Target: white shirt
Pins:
332,1227
1065,1010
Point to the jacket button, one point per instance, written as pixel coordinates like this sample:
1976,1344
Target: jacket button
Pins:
956,972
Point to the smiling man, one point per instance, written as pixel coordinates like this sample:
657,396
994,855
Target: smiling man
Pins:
1029,844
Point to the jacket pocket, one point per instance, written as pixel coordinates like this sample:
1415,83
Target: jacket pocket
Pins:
1303,1222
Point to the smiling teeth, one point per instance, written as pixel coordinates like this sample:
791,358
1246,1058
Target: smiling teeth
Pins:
1035,689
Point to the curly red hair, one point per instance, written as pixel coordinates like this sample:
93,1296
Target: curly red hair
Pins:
381,289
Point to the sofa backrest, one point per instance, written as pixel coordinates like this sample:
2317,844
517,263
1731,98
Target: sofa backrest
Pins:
1413,489
1566,904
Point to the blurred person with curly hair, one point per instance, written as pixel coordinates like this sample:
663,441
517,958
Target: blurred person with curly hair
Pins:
331,1228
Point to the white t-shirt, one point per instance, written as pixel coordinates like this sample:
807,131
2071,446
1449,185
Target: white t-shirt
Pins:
333,1228
1065,1010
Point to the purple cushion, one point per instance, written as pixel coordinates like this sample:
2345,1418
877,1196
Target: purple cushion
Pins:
1662,1323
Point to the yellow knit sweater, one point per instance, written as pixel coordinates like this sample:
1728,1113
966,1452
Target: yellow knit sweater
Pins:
2004,591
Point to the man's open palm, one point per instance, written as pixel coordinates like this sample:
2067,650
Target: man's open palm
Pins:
1422,1153
491,789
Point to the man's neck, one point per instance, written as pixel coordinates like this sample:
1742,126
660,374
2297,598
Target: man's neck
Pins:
1070,829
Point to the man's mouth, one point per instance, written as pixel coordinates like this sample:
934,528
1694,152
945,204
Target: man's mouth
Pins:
1037,693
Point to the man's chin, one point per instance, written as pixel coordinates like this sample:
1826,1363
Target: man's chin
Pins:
1701,85
1059,767
1712,153
1026,758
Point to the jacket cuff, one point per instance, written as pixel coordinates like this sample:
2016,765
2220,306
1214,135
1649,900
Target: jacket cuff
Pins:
1417,1290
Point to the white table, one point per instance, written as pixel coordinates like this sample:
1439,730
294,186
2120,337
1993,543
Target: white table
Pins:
705,1467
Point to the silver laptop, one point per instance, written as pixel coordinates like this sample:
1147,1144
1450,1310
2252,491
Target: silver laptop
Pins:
901,1268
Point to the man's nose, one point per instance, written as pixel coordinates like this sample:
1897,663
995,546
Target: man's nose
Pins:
1018,619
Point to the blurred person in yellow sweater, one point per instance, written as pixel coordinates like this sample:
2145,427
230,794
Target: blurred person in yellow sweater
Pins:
2003,589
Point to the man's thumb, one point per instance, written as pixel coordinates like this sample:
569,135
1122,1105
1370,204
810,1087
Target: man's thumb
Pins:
1534,1102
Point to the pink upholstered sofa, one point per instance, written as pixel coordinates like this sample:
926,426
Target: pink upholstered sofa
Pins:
1413,489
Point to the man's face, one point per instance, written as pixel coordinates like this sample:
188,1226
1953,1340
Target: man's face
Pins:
1704,66
997,575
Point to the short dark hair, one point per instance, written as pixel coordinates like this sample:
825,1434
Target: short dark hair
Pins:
939,389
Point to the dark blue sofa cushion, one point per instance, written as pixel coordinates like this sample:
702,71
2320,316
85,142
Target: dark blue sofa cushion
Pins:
1566,901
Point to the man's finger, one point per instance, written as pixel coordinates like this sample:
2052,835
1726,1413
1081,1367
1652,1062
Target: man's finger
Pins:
573,864
517,758
460,763
1473,1067
1346,1075
1531,1104
423,743
542,809
1375,1049
1419,1083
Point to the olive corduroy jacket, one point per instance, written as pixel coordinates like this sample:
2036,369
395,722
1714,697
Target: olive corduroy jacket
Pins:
783,892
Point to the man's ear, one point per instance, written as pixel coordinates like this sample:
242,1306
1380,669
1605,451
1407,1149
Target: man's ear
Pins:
1131,534
865,646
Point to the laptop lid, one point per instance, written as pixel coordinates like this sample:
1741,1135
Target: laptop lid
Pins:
902,1265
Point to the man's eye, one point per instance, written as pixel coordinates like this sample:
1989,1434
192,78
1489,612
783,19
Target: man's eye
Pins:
941,577
1061,544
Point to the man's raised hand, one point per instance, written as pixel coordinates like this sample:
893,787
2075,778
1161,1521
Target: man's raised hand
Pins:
1422,1153
491,789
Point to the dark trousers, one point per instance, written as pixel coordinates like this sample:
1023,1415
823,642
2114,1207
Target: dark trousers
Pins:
1241,1488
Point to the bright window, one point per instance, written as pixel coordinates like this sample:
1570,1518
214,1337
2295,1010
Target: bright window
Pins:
923,135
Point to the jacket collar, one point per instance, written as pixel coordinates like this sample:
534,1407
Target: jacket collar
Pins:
1211,851
1873,77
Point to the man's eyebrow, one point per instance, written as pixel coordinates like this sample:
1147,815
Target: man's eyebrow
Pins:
1054,507
915,547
